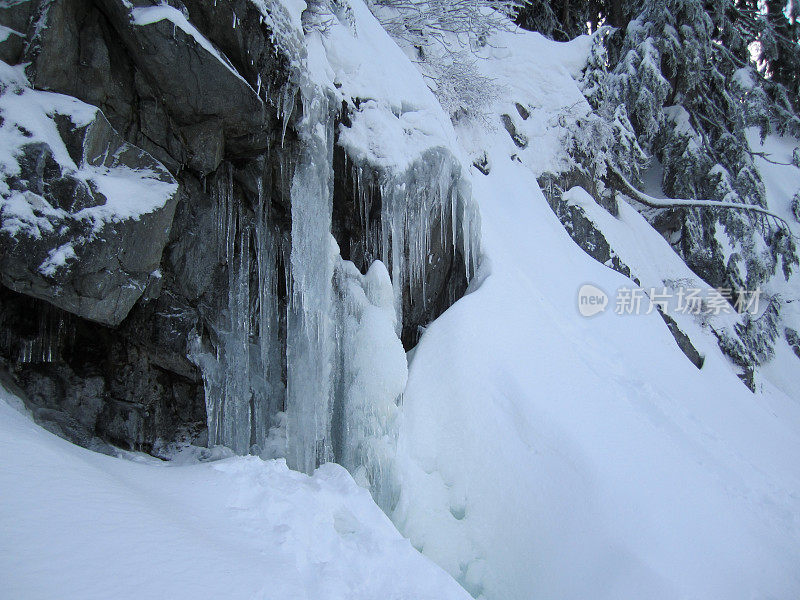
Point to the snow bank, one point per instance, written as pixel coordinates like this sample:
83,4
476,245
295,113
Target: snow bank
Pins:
84,525
547,455
556,456
394,116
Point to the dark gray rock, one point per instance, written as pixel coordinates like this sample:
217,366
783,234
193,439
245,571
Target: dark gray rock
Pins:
15,16
193,255
586,234
87,383
94,265
162,329
684,341
71,51
258,52
194,80
206,144
519,139
793,339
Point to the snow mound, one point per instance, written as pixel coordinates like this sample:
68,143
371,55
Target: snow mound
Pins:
84,525
394,117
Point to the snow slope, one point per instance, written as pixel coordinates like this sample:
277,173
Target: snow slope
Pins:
81,525
546,455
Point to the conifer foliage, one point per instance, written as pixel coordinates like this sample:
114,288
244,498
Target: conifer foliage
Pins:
677,84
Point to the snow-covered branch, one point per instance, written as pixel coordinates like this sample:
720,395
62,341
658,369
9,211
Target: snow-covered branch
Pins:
626,187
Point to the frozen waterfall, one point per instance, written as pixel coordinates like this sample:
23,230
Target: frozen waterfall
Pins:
306,360
310,332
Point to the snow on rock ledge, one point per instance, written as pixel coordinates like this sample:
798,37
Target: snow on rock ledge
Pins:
84,215
401,179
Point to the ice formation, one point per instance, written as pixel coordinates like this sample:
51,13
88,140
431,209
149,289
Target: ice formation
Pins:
310,334
226,376
367,394
313,371
428,198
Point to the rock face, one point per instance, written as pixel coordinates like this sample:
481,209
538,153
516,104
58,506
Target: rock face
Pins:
793,339
586,234
70,233
147,215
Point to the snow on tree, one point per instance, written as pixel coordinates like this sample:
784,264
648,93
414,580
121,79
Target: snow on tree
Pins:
429,22
678,85
442,35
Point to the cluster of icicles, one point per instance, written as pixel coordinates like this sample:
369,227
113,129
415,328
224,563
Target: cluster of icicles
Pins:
320,376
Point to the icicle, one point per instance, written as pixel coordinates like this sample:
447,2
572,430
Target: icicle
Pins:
268,396
54,334
411,203
226,377
310,333
285,109
236,416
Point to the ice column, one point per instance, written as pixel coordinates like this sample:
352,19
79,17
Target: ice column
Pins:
226,376
310,334
268,389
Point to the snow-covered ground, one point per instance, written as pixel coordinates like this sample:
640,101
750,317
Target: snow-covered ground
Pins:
81,525
547,455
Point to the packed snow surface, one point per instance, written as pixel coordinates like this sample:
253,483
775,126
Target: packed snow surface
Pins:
80,525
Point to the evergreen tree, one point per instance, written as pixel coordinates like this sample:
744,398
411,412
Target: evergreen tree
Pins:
682,69
566,19
676,81
780,44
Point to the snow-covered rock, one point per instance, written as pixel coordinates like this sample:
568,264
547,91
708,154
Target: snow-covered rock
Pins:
85,215
329,213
